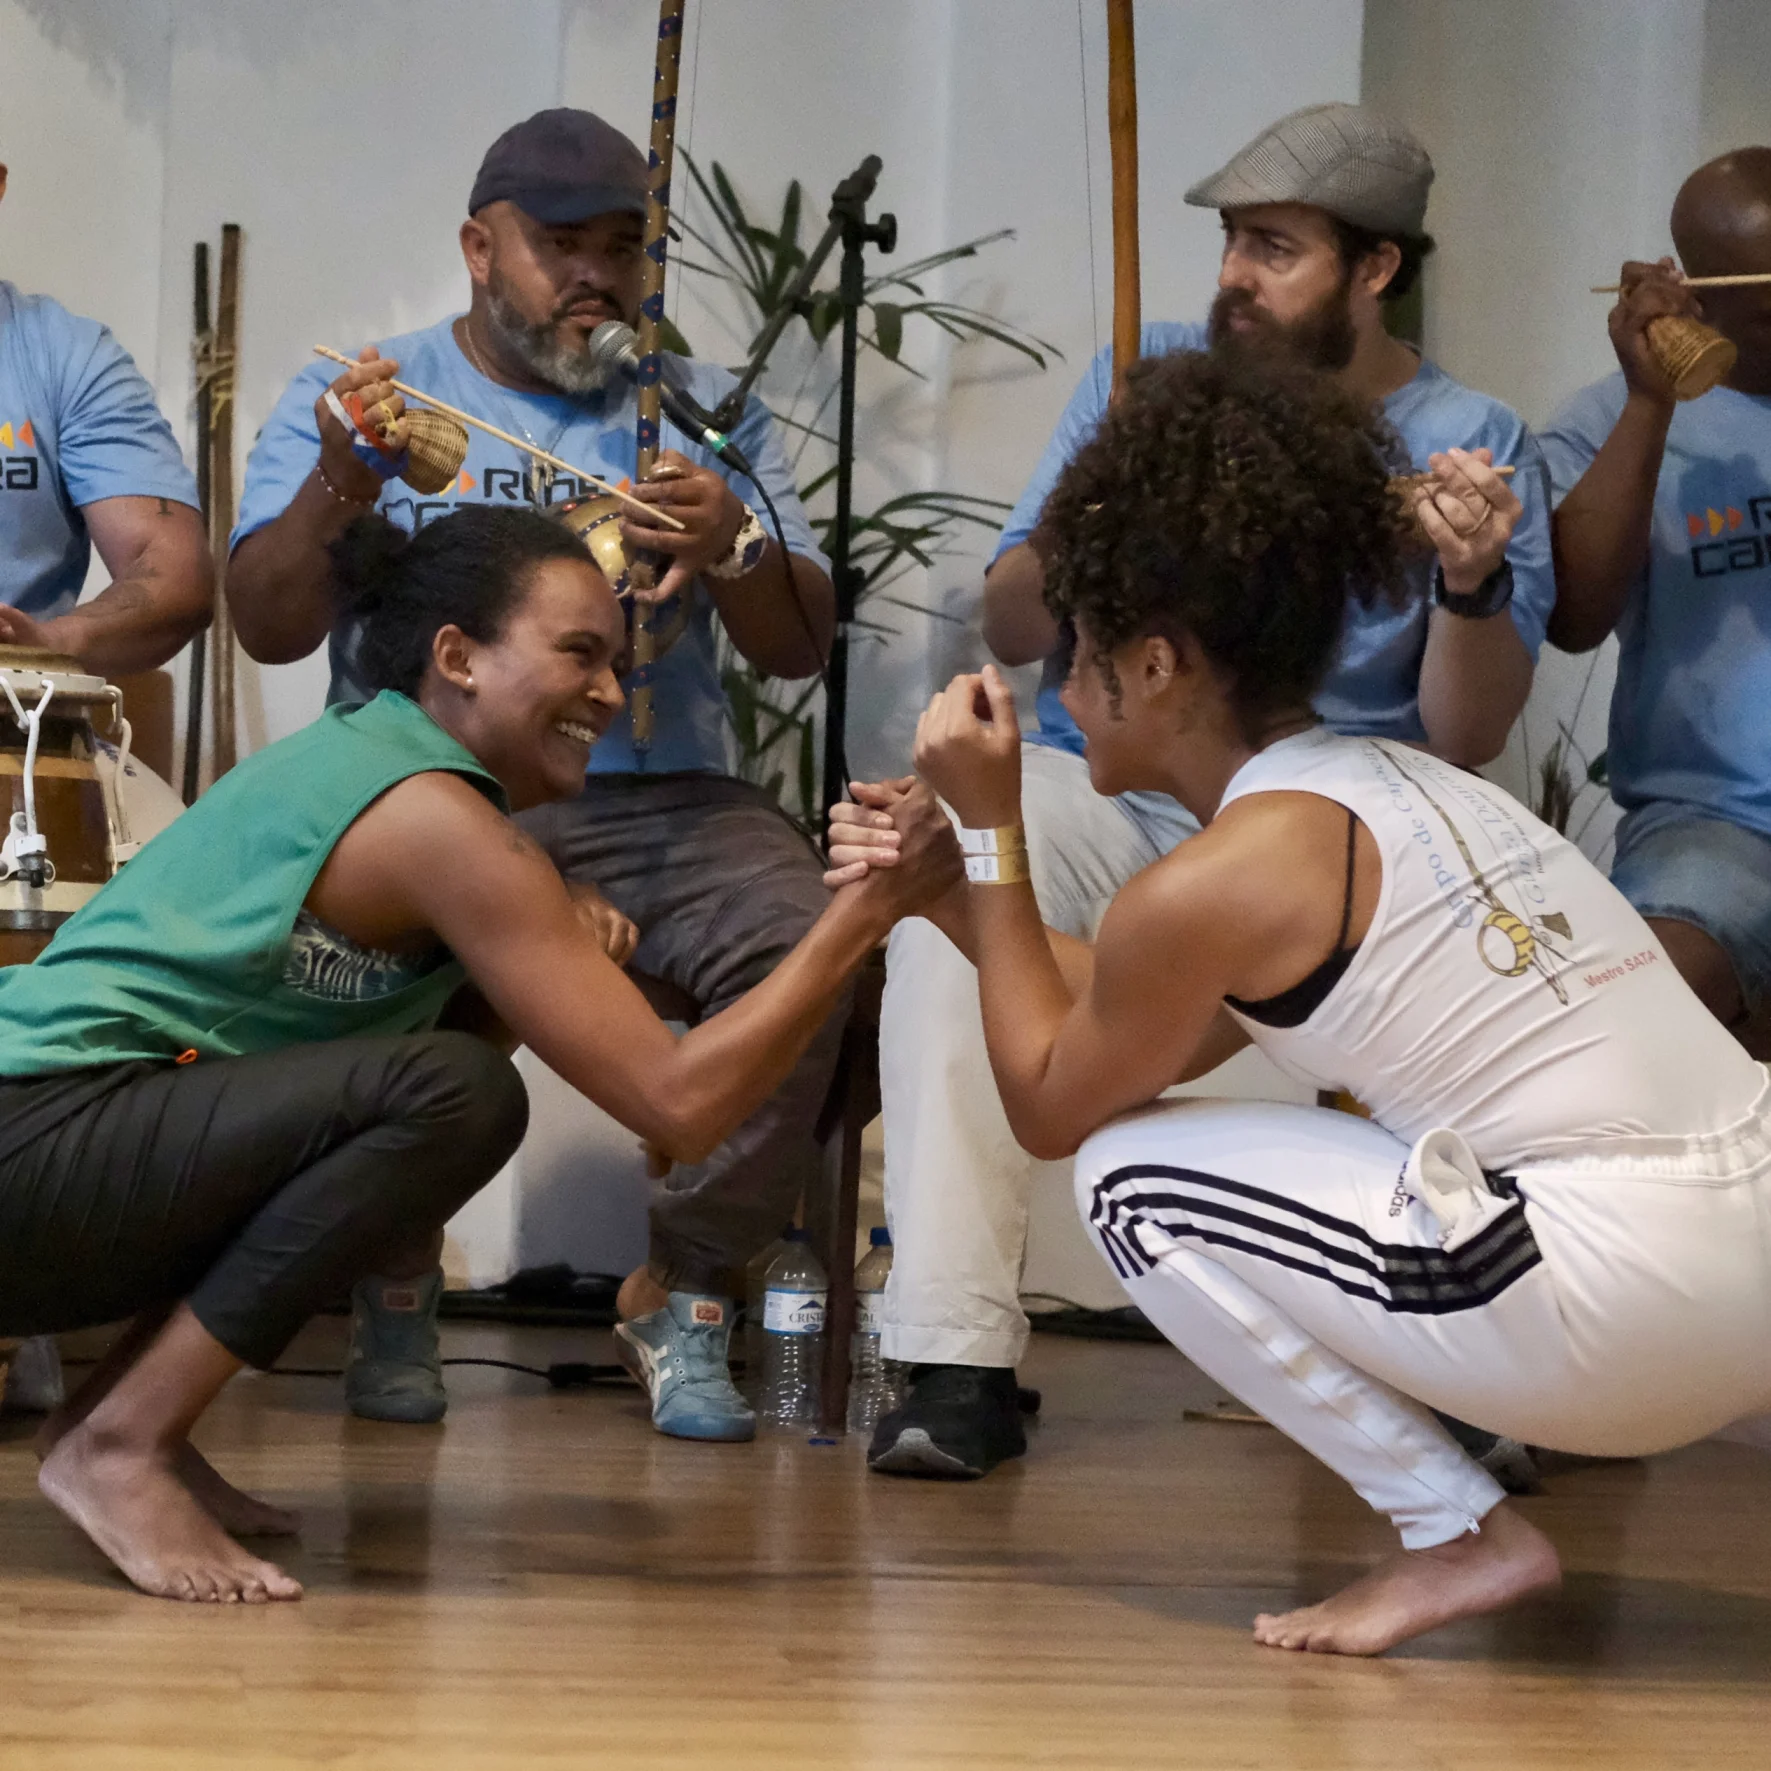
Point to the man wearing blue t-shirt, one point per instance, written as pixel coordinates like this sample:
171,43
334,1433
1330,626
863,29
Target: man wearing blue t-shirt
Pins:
86,460
1322,223
1663,535
718,882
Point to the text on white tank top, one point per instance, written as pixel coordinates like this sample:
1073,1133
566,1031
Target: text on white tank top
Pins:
1505,988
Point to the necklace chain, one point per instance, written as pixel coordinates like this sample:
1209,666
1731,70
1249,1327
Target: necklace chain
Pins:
541,473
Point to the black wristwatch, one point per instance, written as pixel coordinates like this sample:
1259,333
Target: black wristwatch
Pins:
1487,599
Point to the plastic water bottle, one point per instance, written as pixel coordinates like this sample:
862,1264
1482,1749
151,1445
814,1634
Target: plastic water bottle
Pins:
756,1279
872,1388
795,1293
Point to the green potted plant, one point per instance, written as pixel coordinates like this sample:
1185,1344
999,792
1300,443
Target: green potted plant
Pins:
775,724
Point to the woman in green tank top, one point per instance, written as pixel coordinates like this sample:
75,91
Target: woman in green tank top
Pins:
265,1060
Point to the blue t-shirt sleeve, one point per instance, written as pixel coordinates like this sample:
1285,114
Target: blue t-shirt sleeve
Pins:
758,436
1528,553
112,439
1577,433
1077,424
283,454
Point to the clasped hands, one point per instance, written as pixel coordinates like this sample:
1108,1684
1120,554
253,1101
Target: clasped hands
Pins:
968,751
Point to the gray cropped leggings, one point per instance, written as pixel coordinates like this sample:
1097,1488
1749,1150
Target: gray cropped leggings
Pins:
257,1189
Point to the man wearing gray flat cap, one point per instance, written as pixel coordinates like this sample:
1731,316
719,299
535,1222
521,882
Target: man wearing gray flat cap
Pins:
1323,216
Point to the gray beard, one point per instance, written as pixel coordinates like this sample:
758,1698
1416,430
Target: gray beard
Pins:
573,370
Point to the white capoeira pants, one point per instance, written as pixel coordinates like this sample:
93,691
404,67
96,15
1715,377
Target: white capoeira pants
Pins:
957,1185
1614,1304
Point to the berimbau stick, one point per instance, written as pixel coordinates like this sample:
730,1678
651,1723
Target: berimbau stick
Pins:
650,510
1739,282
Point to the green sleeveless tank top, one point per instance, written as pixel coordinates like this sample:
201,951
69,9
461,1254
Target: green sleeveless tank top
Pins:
186,950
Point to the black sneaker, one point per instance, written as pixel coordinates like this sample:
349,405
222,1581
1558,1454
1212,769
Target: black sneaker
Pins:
1511,1464
958,1421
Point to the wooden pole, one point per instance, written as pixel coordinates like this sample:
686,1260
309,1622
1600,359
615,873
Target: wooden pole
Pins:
1122,136
221,492
665,74
196,688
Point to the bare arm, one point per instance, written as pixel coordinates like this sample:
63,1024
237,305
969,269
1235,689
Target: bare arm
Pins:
431,854
782,616
1601,530
278,581
1215,918
1474,678
1018,627
862,836
162,590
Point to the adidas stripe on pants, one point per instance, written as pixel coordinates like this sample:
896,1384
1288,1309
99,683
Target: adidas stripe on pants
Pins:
1613,1307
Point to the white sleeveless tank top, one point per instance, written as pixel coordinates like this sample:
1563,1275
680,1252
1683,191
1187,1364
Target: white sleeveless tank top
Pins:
1505,988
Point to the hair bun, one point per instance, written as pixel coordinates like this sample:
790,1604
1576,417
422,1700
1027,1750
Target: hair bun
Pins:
366,560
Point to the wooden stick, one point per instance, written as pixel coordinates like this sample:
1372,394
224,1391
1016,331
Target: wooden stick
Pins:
223,737
1122,137
648,398
196,688
1697,283
1505,470
504,436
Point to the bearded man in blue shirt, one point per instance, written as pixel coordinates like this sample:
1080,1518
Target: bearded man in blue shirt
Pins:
694,874
1323,216
1663,536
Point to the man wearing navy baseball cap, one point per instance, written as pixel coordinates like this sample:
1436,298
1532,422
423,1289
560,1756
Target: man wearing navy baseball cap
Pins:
694,874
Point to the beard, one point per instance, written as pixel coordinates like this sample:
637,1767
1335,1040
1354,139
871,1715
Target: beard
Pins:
1323,338
551,353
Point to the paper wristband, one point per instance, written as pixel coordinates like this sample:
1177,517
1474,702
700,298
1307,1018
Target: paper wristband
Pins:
1006,867
1001,840
365,445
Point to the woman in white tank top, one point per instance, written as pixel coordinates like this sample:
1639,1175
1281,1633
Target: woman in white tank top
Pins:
1557,1223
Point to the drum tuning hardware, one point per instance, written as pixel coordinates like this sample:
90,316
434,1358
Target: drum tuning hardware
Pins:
25,854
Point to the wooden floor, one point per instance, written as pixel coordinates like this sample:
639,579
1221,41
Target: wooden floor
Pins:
545,1581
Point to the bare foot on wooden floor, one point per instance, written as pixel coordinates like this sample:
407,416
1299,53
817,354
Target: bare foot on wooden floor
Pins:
233,1509
238,1513
134,1506
1418,1590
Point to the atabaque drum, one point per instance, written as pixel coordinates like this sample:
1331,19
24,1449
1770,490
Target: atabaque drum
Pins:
76,804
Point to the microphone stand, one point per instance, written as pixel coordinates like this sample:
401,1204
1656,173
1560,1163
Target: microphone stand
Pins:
850,228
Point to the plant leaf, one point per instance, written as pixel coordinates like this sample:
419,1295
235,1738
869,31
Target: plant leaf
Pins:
888,329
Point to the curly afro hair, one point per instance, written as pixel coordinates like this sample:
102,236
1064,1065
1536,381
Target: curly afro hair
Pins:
1240,501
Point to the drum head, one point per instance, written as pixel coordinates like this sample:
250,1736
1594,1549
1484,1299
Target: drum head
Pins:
30,668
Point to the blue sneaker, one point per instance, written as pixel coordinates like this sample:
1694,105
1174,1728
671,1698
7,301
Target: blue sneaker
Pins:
394,1370
679,1354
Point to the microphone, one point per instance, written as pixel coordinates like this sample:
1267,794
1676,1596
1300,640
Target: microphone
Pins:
615,345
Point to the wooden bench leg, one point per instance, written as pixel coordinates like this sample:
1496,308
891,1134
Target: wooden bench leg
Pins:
852,1106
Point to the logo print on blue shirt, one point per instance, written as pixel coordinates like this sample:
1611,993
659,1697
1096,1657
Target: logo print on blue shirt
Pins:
18,473
1717,557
